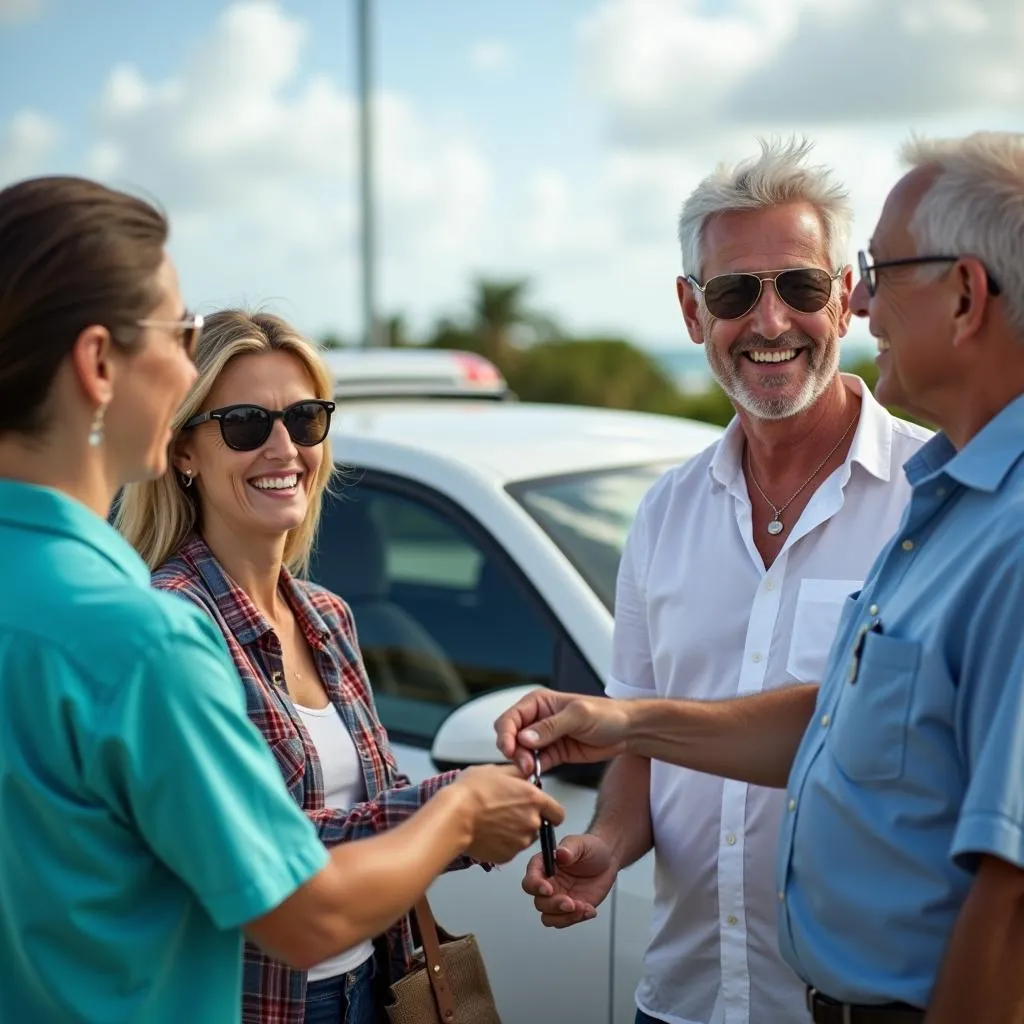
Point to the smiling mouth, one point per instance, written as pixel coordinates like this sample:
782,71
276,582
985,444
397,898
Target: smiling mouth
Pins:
771,356
883,344
273,484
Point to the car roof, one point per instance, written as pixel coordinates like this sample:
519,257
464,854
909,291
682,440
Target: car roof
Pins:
509,441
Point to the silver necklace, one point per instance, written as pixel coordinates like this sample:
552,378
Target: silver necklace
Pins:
776,526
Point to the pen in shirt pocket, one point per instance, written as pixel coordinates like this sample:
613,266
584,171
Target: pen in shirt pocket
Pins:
874,626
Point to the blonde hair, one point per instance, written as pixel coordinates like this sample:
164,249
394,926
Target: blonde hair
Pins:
156,516
778,177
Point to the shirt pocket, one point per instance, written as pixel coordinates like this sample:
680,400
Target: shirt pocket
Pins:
819,605
868,736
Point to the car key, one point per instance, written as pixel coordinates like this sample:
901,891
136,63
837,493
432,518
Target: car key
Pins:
547,830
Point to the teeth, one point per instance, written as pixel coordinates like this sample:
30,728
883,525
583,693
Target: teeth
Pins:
276,483
774,356
883,344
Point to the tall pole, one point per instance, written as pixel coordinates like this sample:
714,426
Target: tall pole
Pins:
364,46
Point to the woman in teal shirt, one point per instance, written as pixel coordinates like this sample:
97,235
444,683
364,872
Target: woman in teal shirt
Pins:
145,821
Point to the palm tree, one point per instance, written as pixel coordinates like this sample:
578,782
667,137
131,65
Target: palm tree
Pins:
498,311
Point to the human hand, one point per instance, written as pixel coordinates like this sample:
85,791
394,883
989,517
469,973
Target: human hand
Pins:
585,871
566,728
506,811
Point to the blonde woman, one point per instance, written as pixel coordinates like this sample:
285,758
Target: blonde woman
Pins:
230,527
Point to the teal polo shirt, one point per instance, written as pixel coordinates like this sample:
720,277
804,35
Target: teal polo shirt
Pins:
144,819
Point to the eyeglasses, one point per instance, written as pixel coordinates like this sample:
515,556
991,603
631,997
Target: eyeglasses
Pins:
869,271
190,326
803,289
245,428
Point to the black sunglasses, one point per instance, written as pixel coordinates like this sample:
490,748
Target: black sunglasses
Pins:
245,428
869,271
803,289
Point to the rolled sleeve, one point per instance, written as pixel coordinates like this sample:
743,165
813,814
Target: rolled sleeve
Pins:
990,721
183,763
992,815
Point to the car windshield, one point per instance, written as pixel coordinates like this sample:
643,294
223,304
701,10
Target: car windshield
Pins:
588,516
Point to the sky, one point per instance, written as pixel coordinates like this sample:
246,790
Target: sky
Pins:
553,140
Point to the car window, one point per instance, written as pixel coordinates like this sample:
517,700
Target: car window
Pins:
588,515
442,616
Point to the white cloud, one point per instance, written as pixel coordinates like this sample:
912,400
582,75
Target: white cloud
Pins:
490,55
12,11
25,145
256,163
671,71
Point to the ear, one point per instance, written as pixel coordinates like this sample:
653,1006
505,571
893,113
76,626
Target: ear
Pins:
845,292
971,281
91,356
690,306
183,454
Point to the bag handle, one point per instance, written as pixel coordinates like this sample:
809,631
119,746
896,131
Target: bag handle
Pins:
435,967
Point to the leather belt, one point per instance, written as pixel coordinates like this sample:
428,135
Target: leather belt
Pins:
828,1011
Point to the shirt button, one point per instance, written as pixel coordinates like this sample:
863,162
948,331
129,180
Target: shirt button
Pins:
907,545
756,657
792,805
940,492
769,584
730,839
825,720
781,896
873,610
732,919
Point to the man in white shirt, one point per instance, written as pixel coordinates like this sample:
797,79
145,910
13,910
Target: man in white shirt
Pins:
732,580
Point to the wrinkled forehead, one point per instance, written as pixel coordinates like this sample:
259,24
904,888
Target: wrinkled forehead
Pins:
771,239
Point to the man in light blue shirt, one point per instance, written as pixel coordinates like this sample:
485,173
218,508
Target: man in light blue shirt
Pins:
901,865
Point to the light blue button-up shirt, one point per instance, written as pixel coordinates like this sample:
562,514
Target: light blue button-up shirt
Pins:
913,765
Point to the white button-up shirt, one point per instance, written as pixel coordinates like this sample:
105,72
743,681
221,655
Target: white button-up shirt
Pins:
697,615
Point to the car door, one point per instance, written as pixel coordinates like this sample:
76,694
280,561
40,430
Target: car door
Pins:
444,618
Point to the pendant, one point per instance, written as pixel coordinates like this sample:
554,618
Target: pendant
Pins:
775,527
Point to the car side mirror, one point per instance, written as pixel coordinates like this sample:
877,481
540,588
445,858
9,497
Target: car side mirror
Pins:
466,737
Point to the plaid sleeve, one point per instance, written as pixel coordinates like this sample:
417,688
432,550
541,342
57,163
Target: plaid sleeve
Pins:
401,799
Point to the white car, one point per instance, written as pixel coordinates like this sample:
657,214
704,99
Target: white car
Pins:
477,541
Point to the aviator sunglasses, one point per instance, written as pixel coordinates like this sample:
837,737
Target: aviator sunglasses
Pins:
730,296
245,428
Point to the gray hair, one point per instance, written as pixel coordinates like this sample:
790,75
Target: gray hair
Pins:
775,178
975,206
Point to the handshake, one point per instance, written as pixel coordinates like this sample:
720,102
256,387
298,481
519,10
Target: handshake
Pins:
510,811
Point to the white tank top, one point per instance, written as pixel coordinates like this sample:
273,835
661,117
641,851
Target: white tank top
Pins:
343,787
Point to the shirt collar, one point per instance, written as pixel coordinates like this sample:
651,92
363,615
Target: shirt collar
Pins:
984,462
47,511
236,605
871,446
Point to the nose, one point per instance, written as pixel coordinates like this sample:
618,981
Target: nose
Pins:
771,317
279,443
859,299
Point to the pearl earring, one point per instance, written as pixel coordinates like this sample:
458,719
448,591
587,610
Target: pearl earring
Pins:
188,475
96,432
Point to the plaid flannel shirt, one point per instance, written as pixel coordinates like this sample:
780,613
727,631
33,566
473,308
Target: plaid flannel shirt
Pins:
272,992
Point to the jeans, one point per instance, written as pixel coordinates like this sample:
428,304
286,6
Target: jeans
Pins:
643,1018
344,999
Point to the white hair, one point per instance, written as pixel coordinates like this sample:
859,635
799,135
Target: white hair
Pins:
975,206
777,177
